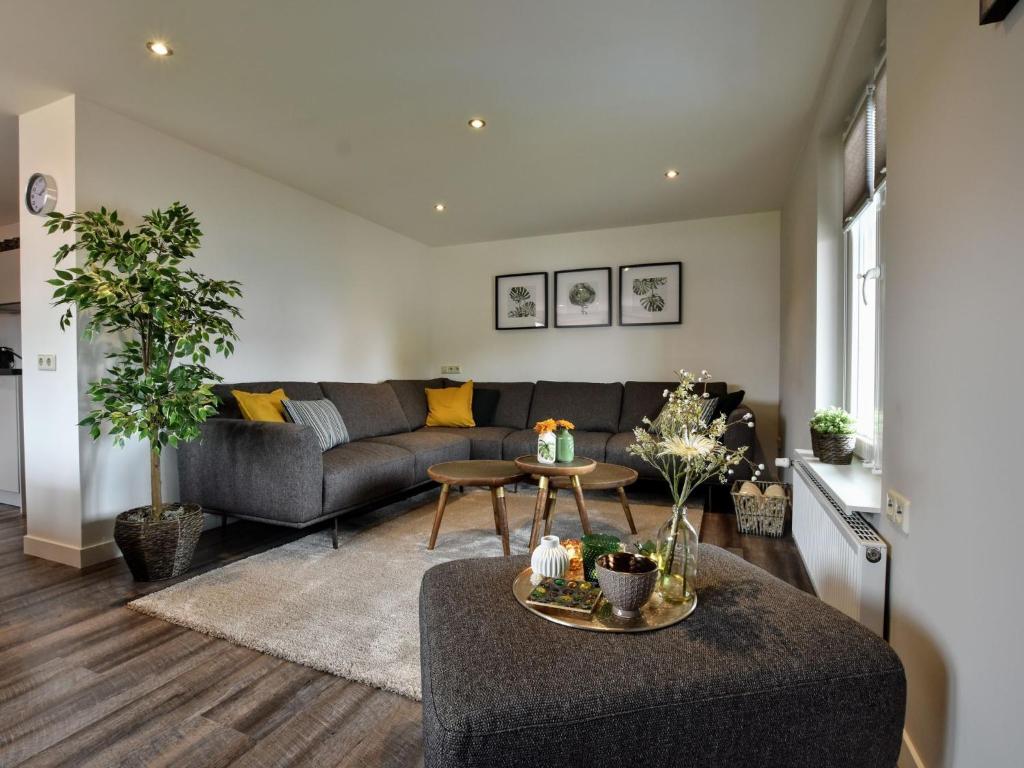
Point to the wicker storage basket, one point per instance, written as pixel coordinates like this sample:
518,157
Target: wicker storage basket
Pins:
836,449
815,444
761,515
162,549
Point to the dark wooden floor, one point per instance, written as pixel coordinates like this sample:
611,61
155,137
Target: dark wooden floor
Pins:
86,682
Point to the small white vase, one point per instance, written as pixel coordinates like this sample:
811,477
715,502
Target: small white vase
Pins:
546,451
549,559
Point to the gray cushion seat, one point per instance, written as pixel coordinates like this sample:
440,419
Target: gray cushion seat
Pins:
524,441
428,448
761,674
357,473
485,442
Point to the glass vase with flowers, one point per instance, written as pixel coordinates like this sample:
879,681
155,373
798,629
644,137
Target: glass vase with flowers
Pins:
686,449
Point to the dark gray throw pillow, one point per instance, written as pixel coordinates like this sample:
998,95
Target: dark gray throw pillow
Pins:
323,417
485,405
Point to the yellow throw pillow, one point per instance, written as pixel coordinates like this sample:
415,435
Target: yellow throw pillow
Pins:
451,406
256,406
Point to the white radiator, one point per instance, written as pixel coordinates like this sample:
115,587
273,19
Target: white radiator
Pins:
844,556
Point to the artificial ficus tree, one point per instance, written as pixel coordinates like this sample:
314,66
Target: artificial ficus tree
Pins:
170,320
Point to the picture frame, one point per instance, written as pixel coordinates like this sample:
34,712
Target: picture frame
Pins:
521,301
992,11
583,297
651,294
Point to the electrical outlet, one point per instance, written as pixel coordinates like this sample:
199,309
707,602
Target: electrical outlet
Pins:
47,362
451,369
897,509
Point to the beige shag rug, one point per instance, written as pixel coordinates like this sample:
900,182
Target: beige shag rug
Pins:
353,612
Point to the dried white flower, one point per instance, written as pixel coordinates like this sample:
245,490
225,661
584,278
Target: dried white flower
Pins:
706,395
665,393
748,416
760,466
750,424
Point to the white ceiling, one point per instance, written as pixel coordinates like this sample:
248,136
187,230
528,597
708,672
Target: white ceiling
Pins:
364,104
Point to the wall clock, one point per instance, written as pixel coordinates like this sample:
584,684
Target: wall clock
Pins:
40,194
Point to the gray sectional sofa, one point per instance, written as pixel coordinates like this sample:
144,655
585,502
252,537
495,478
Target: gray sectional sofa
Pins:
276,473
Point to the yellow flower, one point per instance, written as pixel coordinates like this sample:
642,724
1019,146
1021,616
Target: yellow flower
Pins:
686,446
548,425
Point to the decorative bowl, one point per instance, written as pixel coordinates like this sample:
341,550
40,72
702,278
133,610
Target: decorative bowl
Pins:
627,581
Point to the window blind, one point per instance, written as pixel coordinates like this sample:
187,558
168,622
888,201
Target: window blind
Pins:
864,149
855,164
880,126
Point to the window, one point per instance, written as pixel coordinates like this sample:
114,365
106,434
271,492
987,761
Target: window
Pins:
863,321
863,207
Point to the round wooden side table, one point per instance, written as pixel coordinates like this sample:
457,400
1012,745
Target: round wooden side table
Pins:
484,474
544,472
605,477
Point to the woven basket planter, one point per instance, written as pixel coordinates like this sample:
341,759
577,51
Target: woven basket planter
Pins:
836,449
815,444
162,549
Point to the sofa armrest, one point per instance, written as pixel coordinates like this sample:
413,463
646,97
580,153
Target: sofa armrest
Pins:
254,468
739,434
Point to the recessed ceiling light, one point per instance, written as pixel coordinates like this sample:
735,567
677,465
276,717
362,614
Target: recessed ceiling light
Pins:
477,123
439,207
671,173
159,48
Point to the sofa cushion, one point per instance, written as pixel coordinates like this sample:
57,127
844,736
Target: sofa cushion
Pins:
646,398
513,404
428,447
778,678
484,442
591,407
293,390
368,410
410,394
615,452
357,473
523,442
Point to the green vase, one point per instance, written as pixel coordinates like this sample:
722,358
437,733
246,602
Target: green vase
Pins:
565,446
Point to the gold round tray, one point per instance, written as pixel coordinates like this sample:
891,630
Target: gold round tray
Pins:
656,614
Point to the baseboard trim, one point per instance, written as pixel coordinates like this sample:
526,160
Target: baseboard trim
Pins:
76,557
909,756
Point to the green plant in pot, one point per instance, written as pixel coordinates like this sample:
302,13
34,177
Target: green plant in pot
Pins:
833,435
167,320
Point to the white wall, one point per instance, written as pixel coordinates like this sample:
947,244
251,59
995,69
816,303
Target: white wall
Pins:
953,317
328,295
730,309
53,486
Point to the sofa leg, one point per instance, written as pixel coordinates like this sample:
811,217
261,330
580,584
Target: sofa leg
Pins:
334,534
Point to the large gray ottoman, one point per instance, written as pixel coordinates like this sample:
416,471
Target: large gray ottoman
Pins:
760,675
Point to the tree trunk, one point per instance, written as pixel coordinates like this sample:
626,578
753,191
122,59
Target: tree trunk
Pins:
154,482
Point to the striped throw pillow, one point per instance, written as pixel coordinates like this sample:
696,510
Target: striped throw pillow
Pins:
709,411
323,417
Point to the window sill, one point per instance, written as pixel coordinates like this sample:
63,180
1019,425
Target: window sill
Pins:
855,487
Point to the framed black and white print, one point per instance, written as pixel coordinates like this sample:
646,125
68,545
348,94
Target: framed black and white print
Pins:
521,301
651,294
583,297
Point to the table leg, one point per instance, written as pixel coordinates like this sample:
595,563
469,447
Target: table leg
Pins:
538,512
627,510
503,511
577,491
549,510
442,500
494,507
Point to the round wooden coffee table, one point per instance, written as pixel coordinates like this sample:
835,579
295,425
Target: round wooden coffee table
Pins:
571,471
485,474
605,477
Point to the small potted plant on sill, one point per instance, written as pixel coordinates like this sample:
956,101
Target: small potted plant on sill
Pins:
833,435
131,285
